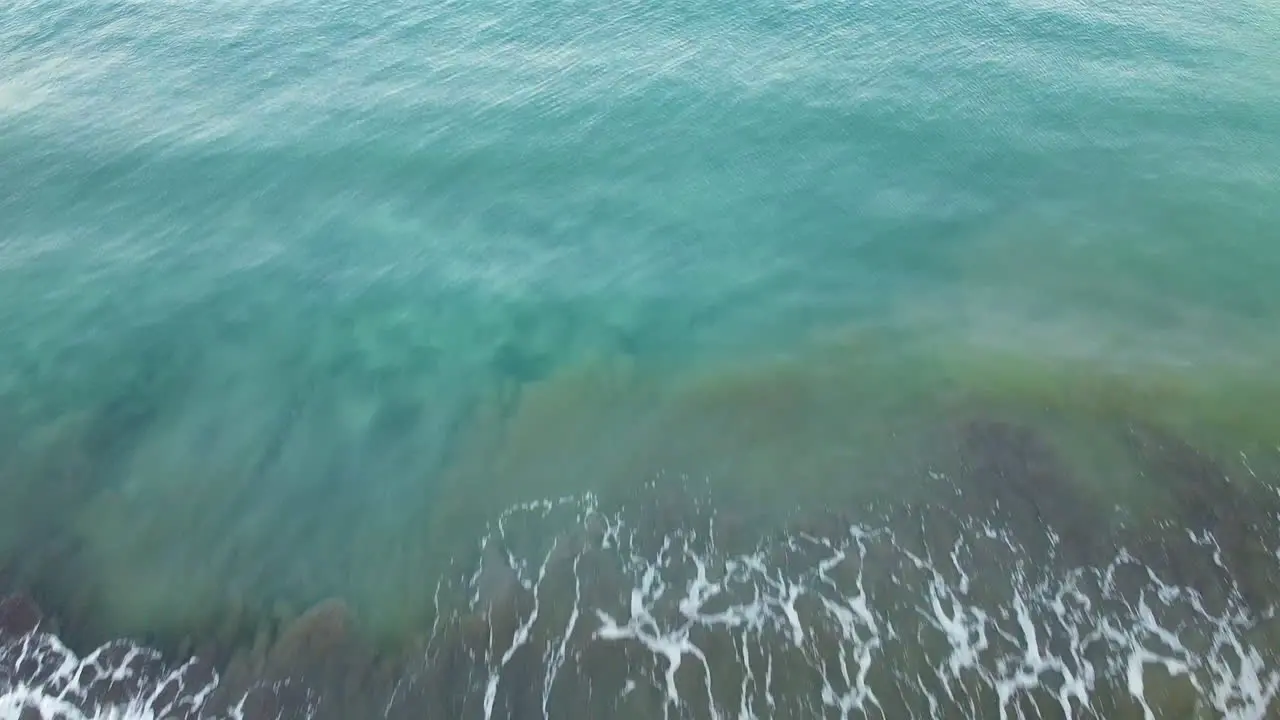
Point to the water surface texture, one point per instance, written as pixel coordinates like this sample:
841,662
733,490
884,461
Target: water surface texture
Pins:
573,359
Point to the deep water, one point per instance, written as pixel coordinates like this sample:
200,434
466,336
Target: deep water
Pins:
549,359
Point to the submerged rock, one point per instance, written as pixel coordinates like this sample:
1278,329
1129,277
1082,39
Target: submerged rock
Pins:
318,666
320,631
1236,517
497,584
19,616
1010,470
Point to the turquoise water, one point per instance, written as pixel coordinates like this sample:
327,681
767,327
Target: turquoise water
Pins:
297,300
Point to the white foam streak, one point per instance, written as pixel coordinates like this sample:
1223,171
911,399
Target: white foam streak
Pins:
911,633
71,687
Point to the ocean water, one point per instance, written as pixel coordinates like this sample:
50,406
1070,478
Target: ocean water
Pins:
567,359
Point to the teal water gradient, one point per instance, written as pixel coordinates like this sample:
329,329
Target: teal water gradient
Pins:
295,296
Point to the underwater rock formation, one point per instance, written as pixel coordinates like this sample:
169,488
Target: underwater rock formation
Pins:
1010,472
1237,517
19,616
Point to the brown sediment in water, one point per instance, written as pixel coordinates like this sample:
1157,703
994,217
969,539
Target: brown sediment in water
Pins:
998,450
994,460
319,661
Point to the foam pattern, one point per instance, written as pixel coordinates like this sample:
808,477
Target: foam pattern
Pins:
664,610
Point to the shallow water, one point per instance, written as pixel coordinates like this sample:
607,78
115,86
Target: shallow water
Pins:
299,301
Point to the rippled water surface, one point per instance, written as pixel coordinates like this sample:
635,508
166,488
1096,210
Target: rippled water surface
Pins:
547,358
